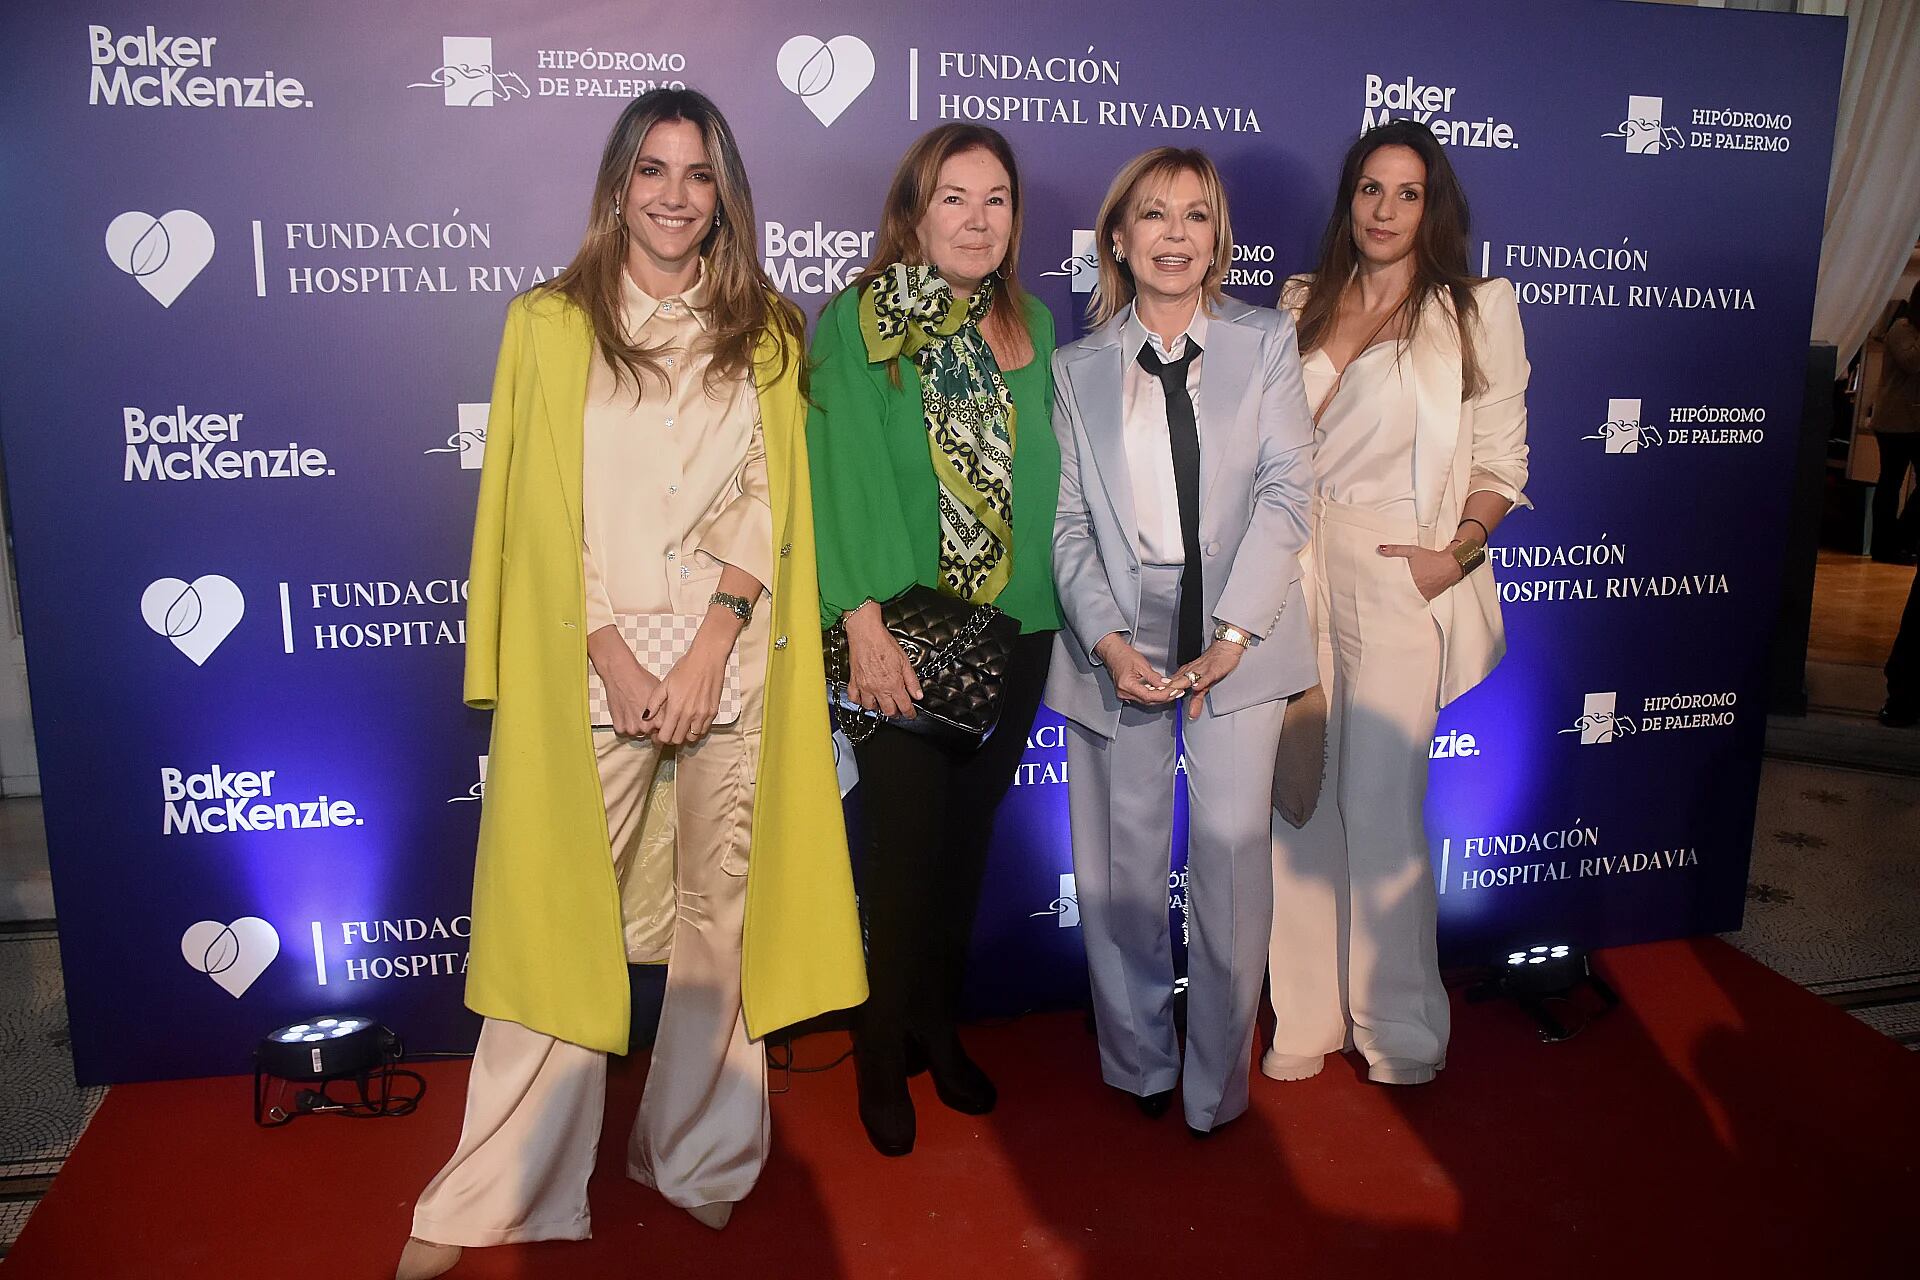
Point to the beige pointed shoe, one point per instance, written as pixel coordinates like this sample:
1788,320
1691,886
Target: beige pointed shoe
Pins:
715,1215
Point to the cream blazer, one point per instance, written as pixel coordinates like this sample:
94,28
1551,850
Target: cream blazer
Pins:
1461,447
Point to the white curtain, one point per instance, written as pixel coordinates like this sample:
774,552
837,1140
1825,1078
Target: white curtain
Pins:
1873,197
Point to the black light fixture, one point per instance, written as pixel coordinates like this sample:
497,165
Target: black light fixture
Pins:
348,1049
1550,971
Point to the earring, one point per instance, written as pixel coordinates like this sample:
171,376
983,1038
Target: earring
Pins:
716,219
1119,254
616,209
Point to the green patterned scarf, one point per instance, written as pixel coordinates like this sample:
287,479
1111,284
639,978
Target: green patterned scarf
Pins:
911,311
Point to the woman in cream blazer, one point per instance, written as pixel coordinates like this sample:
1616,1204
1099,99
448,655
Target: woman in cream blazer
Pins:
1416,374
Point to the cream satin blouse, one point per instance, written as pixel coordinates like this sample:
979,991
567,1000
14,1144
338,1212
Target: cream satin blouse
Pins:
1363,442
676,483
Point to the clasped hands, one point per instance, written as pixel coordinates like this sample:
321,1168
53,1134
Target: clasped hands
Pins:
1135,680
672,710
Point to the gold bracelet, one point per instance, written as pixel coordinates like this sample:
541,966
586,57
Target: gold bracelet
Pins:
1232,634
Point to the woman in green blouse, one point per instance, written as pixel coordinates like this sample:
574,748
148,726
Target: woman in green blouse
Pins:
934,462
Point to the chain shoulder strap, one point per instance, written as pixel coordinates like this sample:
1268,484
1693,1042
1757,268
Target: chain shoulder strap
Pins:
857,722
941,660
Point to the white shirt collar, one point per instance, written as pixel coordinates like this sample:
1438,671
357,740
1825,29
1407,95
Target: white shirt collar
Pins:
1134,335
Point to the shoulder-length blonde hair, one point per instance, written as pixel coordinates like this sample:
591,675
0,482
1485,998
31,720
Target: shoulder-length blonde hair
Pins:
742,300
1138,178
907,199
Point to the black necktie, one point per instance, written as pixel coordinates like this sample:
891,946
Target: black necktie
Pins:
1183,434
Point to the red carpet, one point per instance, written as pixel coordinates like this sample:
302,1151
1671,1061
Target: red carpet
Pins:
1722,1123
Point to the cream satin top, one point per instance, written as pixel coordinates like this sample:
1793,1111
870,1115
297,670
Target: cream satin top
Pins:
675,484
1363,442
1143,431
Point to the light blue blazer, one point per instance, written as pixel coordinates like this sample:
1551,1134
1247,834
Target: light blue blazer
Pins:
1256,479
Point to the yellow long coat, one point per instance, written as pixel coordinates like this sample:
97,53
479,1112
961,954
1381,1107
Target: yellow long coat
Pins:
547,948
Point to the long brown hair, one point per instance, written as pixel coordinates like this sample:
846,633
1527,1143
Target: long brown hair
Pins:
1137,176
1439,246
742,300
907,200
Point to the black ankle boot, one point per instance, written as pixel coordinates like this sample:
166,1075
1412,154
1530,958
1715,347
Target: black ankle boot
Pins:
886,1108
959,1081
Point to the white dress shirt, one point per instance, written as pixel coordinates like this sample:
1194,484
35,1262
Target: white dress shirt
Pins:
1143,430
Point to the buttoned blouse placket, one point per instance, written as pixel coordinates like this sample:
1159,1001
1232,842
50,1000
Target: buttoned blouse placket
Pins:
674,309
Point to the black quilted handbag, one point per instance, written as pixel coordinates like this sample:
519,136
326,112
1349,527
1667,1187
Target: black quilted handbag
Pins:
960,652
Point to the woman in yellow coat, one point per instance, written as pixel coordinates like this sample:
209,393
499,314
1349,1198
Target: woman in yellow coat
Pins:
646,459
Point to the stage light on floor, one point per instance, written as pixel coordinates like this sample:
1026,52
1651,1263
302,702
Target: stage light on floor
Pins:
350,1048
1549,971
323,1047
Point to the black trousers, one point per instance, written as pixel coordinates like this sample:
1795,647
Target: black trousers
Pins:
928,816
1895,532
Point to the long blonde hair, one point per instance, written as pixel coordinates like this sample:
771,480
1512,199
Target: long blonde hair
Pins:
742,300
1150,169
912,191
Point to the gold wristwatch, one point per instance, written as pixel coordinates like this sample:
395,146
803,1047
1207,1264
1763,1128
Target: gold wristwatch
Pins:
1227,631
1469,556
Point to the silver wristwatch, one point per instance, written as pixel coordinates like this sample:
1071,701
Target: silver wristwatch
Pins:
739,606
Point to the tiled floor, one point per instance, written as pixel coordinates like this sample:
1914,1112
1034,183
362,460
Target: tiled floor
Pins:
42,1112
1833,891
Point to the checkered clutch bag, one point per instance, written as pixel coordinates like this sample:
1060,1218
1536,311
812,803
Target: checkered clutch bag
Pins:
658,640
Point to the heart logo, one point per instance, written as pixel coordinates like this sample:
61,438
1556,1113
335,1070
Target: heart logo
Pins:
195,615
164,254
233,955
827,75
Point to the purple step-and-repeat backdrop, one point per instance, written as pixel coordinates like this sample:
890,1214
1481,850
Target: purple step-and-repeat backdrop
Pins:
259,265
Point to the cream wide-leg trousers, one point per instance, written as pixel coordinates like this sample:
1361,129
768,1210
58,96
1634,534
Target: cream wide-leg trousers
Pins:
1353,956
534,1103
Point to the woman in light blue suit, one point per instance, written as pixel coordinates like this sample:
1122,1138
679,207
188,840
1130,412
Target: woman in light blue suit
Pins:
1185,474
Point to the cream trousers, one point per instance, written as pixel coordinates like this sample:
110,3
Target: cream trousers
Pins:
534,1103
1353,956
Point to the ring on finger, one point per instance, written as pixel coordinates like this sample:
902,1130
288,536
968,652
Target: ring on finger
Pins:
1193,679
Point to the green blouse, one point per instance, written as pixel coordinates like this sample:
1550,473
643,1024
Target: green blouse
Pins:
875,519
